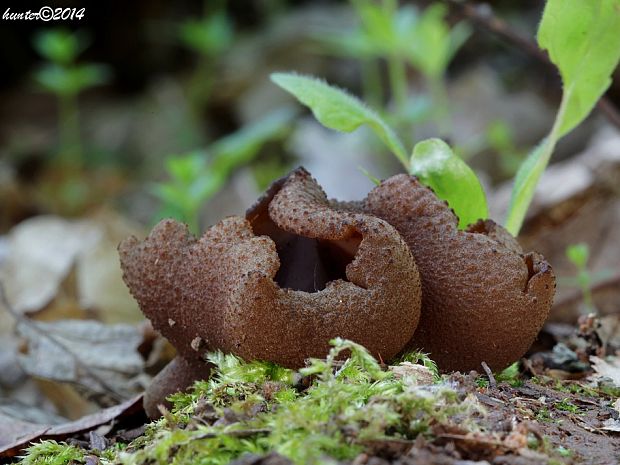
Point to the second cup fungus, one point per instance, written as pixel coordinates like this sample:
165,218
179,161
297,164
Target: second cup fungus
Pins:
483,299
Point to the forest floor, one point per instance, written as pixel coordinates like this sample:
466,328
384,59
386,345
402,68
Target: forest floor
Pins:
558,406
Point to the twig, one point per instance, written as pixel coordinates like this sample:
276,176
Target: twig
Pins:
462,437
489,374
482,15
4,301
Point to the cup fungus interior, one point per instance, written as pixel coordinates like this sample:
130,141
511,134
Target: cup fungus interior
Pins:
306,264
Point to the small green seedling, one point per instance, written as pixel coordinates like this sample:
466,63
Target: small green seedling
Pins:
432,160
567,406
433,45
402,36
500,139
65,78
578,255
197,176
583,41
209,37
510,375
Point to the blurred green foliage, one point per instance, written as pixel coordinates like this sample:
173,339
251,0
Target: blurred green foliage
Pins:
432,160
500,139
65,78
209,37
402,36
195,177
578,255
584,43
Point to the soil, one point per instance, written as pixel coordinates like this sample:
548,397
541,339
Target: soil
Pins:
579,434
528,424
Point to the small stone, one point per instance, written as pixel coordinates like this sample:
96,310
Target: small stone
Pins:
196,343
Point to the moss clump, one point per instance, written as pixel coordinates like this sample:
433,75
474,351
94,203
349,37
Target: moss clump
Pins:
331,410
53,453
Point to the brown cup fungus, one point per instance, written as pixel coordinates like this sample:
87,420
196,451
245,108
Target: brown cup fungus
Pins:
277,285
483,299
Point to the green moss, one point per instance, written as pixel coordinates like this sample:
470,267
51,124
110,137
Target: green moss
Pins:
544,415
332,408
52,453
567,406
422,359
510,375
564,452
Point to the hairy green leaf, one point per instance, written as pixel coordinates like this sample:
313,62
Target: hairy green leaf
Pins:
336,109
437,166
583,41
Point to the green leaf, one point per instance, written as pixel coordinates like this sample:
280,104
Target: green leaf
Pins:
375,180
336,109
525,184
433,43
71,80
578,254
583,41
436,165
209,36
242,146
60,46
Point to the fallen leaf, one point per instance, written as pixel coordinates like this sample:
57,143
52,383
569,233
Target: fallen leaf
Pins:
611,425
41,252
418,373
604,369
103,359
55,264
15,435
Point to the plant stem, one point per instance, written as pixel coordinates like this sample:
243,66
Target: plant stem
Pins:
192,217
585,282
200,86
70,146
398,82
441,111
371,82
515,218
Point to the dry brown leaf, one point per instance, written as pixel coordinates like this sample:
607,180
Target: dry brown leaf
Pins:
15,435
605,369
57,264
103,359
418,373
